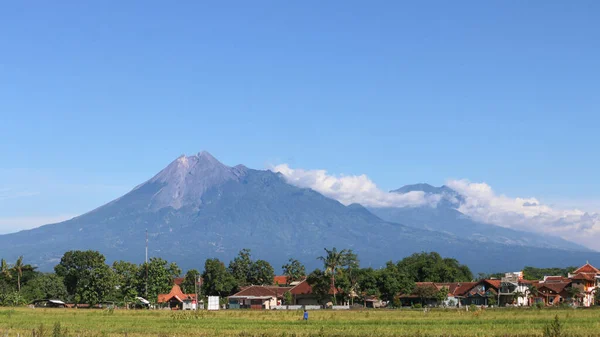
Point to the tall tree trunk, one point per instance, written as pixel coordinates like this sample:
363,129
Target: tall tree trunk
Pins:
333,285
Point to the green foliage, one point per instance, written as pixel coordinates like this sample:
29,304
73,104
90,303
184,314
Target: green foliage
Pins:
431,267
128,280
261,273
553,329
532,273
247,272
217,281
335,260
321,284
45,286
240,267
293,270
392,282
288,298
473,307
441,295
87,278
425,292
160,277
491,300
11,298
188,286
417,306
597,296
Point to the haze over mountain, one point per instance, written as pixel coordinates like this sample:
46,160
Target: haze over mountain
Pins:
198,208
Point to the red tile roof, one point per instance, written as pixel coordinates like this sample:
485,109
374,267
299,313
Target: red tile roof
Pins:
587,268
550,279
272,291
303,288
584,276
178,280
556,287
463,288
175,293
280,279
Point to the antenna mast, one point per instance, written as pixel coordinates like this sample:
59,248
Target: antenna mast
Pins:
146,263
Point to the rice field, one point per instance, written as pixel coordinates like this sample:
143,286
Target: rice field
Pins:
25,322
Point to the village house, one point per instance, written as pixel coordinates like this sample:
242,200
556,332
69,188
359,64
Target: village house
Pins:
303,295
587,280
514,290
177,300
484,292
551,291
257,297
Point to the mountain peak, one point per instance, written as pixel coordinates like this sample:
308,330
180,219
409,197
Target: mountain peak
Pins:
184,181
424,187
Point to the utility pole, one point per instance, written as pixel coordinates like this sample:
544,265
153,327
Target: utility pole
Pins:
146,264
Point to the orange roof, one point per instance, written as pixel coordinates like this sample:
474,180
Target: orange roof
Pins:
303,288
587,268
178,280
493,283
550,279
280,279
175,293
463,288
273,291
556,287
584,276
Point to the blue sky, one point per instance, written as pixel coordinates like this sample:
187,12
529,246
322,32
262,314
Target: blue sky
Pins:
96,97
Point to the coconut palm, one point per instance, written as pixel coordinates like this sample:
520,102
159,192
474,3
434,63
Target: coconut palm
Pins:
18,268
5,269
334,260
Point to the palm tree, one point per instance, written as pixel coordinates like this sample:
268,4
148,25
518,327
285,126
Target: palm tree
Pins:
18,267
332,261
5,269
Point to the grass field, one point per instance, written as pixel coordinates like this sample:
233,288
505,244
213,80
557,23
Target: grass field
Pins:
124,323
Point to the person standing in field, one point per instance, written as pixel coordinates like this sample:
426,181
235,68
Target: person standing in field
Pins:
305,315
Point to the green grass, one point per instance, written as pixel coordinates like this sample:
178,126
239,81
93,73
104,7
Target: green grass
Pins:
130,323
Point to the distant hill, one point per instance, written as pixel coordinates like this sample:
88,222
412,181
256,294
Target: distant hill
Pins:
446,218
198,208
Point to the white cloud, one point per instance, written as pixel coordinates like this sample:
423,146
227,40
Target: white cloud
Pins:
18,223
8,193
483,204
479,202
353,189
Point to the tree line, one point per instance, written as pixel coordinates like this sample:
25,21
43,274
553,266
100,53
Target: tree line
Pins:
85,277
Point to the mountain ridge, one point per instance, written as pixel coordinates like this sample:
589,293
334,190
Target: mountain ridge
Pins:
198,208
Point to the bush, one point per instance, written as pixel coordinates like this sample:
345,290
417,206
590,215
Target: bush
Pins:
417,306
539,305
473,307
553,329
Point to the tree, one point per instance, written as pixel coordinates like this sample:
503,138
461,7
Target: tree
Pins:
160,277
597,296
45,286
441,296
288,299
320,283
18,268
573,293
188,286
425,292
532,273
293,270
74,263
217,281
5,269
127,276
87,278
261,273
392,282
431,267
241,266
333,260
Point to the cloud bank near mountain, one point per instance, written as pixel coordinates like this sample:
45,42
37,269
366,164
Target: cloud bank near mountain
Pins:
353,189
479,201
